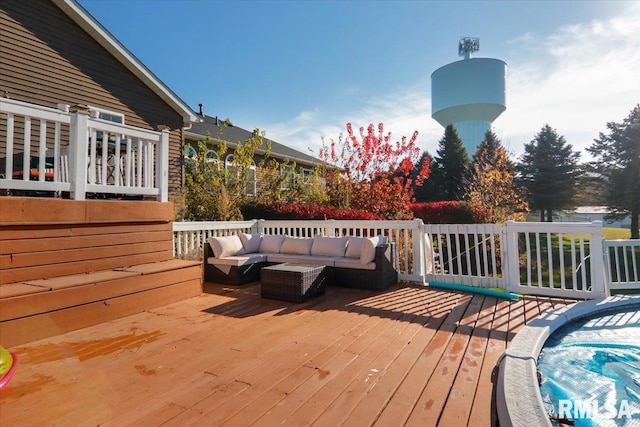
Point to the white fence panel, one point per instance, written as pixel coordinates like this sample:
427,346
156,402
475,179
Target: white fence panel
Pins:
189,237
622,259
465,254
39,131
555,259
50,150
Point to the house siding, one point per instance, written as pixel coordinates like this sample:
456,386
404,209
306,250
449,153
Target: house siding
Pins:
46,59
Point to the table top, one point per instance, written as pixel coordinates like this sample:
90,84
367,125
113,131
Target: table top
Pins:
294,268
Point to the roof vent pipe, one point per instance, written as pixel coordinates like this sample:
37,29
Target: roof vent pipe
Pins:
200,105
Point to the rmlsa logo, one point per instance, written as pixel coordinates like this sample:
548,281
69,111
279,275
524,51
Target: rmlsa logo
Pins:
586,409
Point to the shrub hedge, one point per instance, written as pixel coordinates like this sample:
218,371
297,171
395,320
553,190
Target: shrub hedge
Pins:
449,212
302,211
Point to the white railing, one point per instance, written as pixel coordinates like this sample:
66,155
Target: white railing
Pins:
408,236
189,237
553,259
623,264
52,150
468,254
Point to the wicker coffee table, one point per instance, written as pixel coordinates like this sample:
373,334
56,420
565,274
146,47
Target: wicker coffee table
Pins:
292,282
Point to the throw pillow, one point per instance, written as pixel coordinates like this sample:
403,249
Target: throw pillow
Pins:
369,248
251,242
296,245
354,246
226,246
329,246
270,244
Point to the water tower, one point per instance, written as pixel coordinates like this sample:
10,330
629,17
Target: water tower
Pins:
469,93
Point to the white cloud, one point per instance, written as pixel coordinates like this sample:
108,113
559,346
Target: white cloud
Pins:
402,114
591,78
576,79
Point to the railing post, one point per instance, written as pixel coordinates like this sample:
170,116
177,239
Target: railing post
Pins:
510,259
78,145
419,253
162,164
597,259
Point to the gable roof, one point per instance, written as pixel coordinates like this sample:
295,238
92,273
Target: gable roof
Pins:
89,24
233,134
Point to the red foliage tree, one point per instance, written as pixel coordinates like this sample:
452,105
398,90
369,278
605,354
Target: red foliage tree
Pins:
372,173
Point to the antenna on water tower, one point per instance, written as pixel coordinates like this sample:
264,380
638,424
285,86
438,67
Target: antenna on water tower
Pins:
469,94
468,45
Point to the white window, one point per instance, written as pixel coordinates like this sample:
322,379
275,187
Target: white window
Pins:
234,171
288,175
229,166
110,116
190,155
250,186
307,175
211,157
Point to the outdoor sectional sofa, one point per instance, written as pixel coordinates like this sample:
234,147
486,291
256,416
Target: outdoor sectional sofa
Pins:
354,262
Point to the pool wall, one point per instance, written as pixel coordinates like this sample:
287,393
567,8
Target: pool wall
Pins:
518,398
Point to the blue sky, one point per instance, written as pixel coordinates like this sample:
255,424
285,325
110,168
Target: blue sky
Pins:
300,70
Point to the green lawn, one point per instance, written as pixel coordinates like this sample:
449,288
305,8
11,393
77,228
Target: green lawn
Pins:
616,233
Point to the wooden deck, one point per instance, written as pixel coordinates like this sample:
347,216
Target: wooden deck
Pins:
408,356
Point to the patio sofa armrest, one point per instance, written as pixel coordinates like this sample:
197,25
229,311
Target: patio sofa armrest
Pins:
228,274
384,275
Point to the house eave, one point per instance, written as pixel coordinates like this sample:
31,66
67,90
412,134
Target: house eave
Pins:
99,33
302,162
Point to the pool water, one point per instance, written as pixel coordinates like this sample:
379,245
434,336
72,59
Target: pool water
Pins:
590,371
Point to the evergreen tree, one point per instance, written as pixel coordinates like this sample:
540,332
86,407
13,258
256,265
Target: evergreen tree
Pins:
617,162
549,171
493,182
421,193
449,168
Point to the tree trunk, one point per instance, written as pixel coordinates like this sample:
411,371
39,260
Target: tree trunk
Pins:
635,219
541,215
549,215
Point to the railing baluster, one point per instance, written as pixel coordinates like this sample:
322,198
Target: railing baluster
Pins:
57,175
9,160
550,259
561,259
26,154
584,263
92,157
42,151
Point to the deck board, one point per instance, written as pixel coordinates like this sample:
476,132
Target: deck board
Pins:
411,355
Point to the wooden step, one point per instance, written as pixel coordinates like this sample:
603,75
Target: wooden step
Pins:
38,309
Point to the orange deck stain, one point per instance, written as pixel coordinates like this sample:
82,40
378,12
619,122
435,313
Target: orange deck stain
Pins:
85,350
322,374
17,390
143,370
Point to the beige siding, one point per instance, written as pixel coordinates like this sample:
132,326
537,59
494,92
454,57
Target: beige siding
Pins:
46,59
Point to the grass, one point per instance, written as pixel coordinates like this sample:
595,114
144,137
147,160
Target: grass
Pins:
609,233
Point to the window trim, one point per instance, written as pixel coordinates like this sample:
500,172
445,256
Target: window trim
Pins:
97,111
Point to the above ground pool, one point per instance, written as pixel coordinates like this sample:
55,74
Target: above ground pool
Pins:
576,366
590,370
